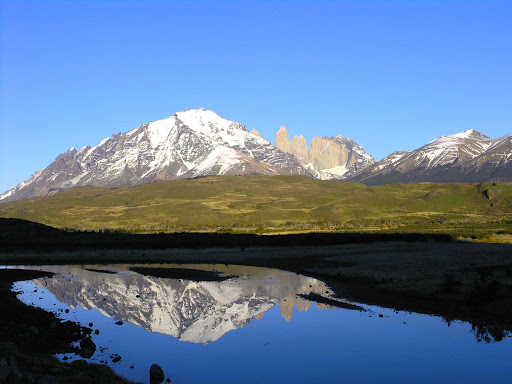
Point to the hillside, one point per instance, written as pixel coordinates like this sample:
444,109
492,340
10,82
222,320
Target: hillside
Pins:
271,204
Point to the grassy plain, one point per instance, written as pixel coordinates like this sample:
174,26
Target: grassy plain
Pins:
282,204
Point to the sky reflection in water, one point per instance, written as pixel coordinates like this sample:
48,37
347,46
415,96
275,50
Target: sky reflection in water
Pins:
254,328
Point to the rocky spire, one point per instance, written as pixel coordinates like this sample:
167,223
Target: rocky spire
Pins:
255,132
282,140
300,149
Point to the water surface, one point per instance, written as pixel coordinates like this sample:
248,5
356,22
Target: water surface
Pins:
256,325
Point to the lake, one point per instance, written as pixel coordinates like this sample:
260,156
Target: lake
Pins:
232,324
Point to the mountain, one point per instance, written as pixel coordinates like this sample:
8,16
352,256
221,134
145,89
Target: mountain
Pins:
469,156
195,312
327,157
198,142
189,144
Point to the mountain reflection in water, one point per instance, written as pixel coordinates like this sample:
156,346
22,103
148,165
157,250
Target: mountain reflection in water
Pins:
320,346
196,312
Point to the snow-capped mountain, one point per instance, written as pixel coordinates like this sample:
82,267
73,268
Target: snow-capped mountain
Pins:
192,143
196,312
198,142
468,156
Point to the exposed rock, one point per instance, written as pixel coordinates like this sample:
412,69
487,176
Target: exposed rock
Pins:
115,358
358,160
87,348
255,132
326,154
328,158
156,374
299,148
282,140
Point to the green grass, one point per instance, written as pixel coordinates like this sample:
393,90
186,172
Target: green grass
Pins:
265,204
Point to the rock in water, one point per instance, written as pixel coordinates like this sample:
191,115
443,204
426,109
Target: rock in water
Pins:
87,348
156,374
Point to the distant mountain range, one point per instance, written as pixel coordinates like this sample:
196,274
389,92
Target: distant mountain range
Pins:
468,156
198,142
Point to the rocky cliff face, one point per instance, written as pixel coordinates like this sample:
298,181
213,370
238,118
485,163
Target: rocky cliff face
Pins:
299,148
325,154
189,144
328,158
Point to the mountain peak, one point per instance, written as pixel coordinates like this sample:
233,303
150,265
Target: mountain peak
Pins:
192,143
470,134
201,120
282,140
197,112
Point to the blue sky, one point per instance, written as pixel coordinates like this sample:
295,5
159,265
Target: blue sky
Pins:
391,75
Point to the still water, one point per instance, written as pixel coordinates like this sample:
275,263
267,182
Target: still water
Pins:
256,325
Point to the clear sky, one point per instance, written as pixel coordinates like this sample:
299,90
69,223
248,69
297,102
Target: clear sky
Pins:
391,75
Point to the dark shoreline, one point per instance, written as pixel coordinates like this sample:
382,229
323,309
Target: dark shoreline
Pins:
30,336
21,235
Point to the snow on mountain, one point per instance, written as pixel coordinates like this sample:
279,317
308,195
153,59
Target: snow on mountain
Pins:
445,159
360,159
192,143
195,312
198,142
448,149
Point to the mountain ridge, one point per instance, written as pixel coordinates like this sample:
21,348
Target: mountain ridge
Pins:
188,144
198,142
328,158
468,156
